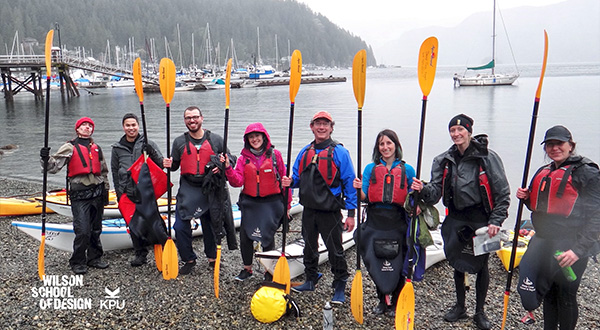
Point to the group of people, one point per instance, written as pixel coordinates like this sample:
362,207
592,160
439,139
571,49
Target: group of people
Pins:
469,178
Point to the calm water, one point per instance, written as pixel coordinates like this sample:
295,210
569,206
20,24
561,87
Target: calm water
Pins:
570,96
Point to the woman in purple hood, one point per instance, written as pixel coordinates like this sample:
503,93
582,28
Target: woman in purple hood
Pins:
258,171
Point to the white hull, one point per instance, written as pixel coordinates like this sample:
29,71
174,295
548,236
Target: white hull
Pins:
111,211
294,253
114,231
487,80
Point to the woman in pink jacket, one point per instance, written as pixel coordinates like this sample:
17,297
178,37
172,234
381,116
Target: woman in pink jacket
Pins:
258,171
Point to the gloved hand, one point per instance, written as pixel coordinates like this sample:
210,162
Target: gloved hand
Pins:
45,152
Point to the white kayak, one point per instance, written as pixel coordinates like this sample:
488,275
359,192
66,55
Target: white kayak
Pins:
60,205
295,253
114,231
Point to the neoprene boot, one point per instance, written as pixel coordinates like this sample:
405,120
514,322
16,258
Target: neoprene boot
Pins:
481,321
338,294
456,313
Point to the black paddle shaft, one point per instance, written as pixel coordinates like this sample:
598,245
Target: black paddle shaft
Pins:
144,123
513,252
45,160
288,167
169,193
358,190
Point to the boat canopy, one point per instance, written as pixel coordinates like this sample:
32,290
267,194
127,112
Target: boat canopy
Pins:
483,67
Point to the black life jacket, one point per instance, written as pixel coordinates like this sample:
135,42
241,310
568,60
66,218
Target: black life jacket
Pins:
389,187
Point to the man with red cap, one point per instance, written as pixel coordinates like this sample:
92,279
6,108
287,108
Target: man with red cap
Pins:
87,186
324,173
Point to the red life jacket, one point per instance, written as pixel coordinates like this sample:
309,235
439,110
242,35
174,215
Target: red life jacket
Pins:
324,161
84,160
194,160
263,181
553,191
388,186
485,187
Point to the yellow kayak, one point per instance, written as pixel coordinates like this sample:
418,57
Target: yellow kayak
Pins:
15,206
506,250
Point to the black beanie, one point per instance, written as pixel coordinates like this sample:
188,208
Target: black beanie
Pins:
462,120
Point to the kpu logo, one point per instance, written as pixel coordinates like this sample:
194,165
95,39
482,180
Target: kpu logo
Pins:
112,299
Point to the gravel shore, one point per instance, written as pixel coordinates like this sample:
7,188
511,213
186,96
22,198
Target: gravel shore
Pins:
146,301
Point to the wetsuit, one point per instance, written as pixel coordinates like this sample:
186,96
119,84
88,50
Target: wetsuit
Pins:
455,179
261,200
540,277
87,194
386,224
326,221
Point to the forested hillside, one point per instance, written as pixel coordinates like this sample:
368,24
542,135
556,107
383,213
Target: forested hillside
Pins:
93,24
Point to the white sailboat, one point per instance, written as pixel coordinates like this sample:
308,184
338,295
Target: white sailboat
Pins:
487,79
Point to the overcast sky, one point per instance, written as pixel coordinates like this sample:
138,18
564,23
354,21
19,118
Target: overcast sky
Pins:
378,21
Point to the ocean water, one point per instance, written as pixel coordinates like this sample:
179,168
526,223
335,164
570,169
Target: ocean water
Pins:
570,96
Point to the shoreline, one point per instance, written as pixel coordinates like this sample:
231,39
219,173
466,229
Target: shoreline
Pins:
145,300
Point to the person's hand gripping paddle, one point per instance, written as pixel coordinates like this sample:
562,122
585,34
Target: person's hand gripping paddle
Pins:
48,53
405,306
170,265
281,274
359,77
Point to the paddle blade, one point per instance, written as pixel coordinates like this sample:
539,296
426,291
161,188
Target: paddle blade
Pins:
137,78
359,76
227,83
41,271
538,93
217,270
48,53
281,274
170,266
295,74
506,295
356,297
158,256
166,79
405,307
428,55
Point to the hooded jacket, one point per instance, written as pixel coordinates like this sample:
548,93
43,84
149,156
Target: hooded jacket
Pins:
235,176
464,189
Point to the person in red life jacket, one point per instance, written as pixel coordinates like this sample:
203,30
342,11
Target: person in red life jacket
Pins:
202,193
564,197
87,186
124,153
385,184
259,170
470,180
324,173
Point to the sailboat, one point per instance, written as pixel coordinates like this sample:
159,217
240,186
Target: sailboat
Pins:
487,79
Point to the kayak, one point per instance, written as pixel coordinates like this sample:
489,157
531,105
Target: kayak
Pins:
506,250
60,205
295,254
15,206
114,231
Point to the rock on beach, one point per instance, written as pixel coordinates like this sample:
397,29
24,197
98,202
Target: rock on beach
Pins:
146,301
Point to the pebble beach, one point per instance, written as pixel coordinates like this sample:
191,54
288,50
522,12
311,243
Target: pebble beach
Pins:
146,301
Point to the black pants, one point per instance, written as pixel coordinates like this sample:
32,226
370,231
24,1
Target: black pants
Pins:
481,286
87,225
247,248
329,225
138,246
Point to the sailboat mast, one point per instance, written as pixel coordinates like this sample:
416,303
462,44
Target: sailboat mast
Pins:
179,45
494,39
276,55
258,45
